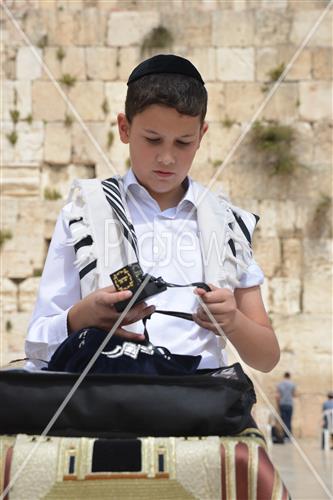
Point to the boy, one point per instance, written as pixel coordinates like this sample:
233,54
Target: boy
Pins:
176,223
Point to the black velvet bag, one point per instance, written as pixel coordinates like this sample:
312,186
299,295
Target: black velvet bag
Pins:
118,356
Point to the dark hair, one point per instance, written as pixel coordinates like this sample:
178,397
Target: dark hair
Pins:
183,93
287,375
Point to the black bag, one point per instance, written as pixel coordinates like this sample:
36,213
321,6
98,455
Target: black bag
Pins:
118,356
127,405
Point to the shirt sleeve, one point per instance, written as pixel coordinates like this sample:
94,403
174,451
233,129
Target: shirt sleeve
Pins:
59,290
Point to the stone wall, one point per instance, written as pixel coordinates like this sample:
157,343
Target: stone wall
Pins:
61,96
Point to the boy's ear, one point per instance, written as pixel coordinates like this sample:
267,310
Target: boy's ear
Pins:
123,127
203,130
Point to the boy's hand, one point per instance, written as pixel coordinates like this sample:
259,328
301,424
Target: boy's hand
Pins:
97,310
222,305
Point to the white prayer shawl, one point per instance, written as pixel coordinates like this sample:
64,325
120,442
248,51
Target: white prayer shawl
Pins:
108,250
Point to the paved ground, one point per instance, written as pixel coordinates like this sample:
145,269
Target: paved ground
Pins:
297,475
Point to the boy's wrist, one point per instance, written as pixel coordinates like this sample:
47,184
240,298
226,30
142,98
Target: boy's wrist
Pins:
74,319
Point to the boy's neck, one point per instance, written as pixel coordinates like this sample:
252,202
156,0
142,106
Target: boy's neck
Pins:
168,200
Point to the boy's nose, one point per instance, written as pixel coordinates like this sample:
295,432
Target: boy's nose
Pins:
166,159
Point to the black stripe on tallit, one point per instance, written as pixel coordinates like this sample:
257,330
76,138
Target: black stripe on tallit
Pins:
87,269
75,220
83,243
243,227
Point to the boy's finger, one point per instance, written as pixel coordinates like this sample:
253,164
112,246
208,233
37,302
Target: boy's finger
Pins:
130,336
115,297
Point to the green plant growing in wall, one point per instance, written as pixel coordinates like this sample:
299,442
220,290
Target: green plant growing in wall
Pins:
5,235
322,218
158,38
8,326
68,122
37,273
42,42
228,122
217,163
110,139
105,107
28,119
51,194
68,80
12,137
274,142
15,115
128,163
275,73
60,54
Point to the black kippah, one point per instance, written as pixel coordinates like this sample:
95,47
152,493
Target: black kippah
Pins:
164,63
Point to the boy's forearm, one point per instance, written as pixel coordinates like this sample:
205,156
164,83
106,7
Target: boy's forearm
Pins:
256,344
75,319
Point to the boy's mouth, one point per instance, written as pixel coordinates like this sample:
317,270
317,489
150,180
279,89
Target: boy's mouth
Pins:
163,173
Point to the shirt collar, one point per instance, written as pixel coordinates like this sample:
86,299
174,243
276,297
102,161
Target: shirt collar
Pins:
130,180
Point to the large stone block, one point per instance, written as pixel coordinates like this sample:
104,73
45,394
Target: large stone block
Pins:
315,100
235,64
92,27
72,63
220,141
286,295
322,63
28,63
27,294
233,29
195,32
205,60
284,104
272,27
317,297
9,209
28,147
89,148
20,181
270,58
129,28
16,96
51,211
278,218
15,327
87,98
242,100
60,178
304,21
128,58
57,147
30,142
8,296
115,93
303,146
292,257
21,260
268,255
101,63
61,26
215,110
323,144
47,103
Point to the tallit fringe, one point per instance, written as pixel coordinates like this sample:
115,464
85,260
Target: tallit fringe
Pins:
84,258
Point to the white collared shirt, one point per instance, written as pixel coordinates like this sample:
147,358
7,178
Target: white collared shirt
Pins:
168,246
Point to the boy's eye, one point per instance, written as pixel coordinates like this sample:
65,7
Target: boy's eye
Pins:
154,141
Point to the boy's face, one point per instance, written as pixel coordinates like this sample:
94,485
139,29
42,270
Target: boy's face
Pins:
162,145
